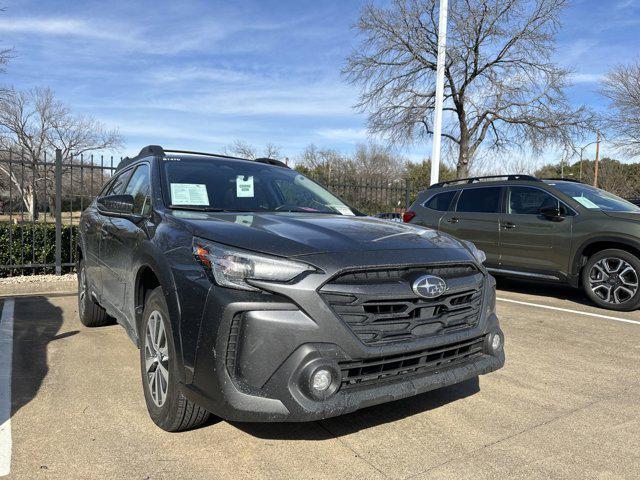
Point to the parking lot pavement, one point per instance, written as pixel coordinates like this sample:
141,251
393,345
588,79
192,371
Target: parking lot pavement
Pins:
566,405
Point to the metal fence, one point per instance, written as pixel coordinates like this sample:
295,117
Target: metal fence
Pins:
41,201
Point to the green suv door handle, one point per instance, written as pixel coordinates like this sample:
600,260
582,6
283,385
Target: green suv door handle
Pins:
508,225
453,220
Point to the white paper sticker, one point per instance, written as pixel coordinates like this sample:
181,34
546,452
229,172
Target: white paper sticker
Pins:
586,202
244,220
244,188
189,194
342,210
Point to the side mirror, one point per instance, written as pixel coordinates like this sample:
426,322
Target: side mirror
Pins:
552,213
117,206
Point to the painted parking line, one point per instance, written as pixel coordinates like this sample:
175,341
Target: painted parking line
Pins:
6,353
569,310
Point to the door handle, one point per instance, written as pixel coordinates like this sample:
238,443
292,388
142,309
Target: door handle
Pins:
508,225
103,233
453,220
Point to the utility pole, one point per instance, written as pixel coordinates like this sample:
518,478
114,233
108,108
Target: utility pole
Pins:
437,112
595,174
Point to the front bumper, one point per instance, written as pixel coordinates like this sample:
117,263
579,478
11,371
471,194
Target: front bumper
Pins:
255,352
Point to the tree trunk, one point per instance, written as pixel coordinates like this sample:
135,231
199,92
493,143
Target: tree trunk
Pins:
462,167
30,203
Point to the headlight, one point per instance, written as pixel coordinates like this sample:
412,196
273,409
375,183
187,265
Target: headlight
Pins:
231,267
478,254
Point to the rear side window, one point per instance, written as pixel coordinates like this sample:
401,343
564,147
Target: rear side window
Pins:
139,188
479,200
440,201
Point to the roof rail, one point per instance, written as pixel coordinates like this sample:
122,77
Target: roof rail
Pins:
563,179
272,161
158,151
191,152
521,177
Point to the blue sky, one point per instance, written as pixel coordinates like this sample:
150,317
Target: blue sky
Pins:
201,74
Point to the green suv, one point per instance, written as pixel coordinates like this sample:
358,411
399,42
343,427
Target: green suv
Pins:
550,230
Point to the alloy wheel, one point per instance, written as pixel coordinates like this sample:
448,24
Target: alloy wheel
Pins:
156,354
613,280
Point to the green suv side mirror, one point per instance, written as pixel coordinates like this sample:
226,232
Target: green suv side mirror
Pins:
552,213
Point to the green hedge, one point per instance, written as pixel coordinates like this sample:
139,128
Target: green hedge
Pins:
34,244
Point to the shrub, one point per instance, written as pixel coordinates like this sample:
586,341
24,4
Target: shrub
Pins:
34,243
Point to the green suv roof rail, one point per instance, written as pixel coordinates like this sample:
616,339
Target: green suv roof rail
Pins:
560,179
158,151
527,178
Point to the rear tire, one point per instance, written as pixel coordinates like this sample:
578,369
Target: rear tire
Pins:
611,280
90,312
167,406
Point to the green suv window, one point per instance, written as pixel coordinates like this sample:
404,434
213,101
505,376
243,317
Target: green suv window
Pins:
441,201
479,200
530,200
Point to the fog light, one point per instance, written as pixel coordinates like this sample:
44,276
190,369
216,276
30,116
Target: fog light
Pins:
321,380
496,342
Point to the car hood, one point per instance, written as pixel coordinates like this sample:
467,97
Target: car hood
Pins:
293,234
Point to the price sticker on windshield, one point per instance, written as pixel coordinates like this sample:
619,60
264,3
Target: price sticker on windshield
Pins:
244,186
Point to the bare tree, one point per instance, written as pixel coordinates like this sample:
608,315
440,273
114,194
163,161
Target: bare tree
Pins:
246,150
501,85
622,87
33,123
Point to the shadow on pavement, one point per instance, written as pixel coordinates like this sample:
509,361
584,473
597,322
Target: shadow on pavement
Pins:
556,290
36,324
362,419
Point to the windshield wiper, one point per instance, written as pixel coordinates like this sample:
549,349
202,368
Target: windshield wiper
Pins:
196,208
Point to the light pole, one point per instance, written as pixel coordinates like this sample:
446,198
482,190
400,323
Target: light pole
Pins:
437,112
581,153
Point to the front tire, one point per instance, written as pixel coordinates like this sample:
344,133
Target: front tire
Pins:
611,279
90,312
167,406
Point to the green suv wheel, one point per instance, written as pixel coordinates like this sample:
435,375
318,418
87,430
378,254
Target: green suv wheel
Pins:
611,279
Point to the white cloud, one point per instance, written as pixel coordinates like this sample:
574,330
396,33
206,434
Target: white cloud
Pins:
343,134
118,34
586,77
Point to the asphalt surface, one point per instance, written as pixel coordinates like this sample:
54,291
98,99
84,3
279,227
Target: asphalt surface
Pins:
566,405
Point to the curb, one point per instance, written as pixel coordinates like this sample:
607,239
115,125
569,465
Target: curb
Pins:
39,288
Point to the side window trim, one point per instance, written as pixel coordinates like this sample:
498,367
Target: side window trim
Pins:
571,211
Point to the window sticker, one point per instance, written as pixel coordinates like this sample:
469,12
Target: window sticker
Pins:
244,186
244,220
586,202
189,194
342,210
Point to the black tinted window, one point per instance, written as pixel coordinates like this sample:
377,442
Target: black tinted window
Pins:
441,201
481,200
139,188
529,201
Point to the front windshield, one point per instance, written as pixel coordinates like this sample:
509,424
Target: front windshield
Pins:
594,198
243,186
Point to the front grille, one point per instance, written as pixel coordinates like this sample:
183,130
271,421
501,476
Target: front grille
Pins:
376,370
380,306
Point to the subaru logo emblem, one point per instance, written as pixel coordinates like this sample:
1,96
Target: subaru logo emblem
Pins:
429,286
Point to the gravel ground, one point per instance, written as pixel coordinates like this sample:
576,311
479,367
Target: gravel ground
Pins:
69,277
